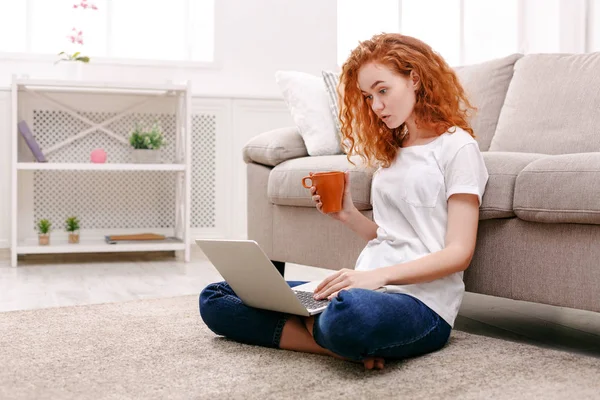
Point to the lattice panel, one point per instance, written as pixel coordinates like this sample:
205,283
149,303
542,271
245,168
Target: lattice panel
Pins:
105,200
53,127
204,160
128,199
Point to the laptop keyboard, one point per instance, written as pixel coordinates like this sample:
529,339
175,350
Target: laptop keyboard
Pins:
308,301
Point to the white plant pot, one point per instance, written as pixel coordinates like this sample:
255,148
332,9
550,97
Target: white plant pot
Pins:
145,156
73,70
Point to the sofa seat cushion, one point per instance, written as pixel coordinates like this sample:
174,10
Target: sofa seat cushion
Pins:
285,180
560,189
503,169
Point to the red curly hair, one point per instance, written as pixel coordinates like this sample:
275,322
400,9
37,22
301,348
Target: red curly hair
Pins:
441,102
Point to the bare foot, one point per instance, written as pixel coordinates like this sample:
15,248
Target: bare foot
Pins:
373,363
369,362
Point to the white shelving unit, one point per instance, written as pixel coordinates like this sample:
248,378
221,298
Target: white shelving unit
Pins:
93,241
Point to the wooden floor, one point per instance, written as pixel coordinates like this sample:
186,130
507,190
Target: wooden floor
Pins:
68,280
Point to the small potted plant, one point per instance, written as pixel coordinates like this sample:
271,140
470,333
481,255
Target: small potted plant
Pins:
74,61
72,57
44,232
72,226
146,144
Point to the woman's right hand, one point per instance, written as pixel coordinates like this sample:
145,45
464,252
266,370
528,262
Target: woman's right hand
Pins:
347,205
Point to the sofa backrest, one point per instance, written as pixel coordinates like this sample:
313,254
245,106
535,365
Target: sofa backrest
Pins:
552,105
486,85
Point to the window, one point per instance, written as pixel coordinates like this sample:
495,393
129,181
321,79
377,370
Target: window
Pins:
13,33
173,30
490,29
462,31
359,20
435,22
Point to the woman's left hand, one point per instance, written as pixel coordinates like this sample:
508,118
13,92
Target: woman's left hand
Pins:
348,279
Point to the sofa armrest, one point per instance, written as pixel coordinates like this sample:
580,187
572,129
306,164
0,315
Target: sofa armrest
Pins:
274,147
503,168
560,189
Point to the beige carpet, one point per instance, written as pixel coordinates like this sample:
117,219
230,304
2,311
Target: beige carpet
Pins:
160,349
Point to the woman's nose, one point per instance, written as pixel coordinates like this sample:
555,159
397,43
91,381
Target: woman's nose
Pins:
377,105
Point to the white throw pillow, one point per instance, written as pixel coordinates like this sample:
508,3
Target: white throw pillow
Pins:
308,102
332,80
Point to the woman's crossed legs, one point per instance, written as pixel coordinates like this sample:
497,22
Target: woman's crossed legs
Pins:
359,325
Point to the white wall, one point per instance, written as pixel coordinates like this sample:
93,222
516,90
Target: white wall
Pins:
259,37
254,38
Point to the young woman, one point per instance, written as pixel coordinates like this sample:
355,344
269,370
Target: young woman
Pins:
404,111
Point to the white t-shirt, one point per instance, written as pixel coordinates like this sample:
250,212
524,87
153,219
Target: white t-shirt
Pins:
410,206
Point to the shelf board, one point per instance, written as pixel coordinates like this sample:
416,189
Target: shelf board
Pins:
93,246
93,86
34,166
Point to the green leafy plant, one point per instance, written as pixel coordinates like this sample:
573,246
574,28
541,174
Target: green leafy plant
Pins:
72,224
44,226
72,57
151,139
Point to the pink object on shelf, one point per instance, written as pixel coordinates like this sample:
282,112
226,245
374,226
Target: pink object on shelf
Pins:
98,156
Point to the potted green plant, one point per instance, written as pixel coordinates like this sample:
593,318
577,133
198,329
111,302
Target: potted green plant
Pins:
146,144
72,226
44,227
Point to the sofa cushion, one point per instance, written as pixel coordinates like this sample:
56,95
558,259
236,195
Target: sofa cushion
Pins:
274,147
486,85
560,189
503,169
551,106
285,181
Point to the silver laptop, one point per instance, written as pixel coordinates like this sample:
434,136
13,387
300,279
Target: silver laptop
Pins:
256,281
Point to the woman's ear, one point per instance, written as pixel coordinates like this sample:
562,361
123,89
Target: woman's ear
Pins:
415,79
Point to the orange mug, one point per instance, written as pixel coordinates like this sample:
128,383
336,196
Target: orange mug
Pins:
330,187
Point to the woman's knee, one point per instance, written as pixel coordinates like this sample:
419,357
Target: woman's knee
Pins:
345,323
208,295
209,304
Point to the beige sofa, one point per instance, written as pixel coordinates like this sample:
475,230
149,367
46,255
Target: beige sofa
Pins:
538,126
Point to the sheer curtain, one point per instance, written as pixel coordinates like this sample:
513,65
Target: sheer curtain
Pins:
175,30
472,31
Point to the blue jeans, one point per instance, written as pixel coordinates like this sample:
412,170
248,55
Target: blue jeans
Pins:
359,323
